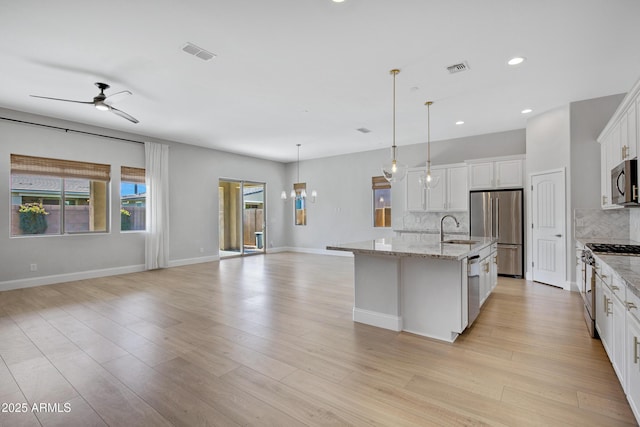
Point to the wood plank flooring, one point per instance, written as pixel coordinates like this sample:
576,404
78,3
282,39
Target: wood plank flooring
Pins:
269,341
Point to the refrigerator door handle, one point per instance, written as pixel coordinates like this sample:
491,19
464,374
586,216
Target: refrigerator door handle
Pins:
497,218
491,214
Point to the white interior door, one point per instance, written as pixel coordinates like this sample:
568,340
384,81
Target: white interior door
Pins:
548,231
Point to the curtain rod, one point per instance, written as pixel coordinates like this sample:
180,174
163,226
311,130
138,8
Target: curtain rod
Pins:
70,130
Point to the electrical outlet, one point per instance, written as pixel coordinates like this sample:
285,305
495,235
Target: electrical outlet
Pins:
33,267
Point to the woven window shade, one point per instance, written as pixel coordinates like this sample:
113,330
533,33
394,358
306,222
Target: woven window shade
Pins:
379,183
129,174
29,165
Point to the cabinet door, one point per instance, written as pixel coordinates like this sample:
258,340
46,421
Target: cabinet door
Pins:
633,363
436,195
605,178
605,312
508,173
457,189
632,133
493,270
415,191
624,136
618,338
480,176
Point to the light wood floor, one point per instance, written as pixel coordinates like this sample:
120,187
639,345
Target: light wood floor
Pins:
269,340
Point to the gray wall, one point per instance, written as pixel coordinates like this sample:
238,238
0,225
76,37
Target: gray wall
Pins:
565,137
343,211
588,118
194,174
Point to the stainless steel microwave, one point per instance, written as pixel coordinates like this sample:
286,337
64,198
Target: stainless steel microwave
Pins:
624,183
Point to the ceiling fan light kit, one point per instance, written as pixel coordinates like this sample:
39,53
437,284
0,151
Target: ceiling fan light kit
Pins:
99,101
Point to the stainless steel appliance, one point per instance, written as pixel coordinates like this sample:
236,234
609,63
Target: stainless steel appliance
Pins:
473,286
624,183
588,291
499,214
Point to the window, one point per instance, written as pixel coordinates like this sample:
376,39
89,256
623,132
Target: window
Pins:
133,196
52,196
381,202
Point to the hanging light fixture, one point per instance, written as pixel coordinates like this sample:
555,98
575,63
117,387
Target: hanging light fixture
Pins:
394,171
427,180
302,187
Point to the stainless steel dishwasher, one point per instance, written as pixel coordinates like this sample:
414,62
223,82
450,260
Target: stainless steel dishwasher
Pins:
473,286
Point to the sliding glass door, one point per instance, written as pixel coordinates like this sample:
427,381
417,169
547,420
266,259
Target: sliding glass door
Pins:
241,221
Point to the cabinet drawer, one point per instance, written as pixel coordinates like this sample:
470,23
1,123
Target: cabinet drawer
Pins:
618,288
632,304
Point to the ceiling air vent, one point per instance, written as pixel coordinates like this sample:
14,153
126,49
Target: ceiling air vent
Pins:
194,50
457,68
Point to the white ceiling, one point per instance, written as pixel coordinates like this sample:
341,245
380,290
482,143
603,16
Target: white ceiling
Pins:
313,71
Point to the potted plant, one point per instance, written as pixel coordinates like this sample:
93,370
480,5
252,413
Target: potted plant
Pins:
125,220
33,218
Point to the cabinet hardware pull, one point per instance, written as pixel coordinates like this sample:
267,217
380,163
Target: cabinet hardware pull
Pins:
635,192
635,349
631,305
615,288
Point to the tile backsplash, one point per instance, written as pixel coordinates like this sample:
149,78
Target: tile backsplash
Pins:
424,221
634,224
597,223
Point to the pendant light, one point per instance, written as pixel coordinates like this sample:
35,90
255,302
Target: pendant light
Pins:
394,171
427,180
299,185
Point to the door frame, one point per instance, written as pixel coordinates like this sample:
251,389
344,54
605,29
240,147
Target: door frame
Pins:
242,252
566,285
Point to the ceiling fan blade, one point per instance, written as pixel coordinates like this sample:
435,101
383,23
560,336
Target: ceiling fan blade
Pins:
123,92
123,114
65,100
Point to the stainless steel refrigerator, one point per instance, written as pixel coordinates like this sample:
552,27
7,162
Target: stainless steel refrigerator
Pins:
499,214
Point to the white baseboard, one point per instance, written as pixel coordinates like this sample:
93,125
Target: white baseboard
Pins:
379,320
68,277
189,261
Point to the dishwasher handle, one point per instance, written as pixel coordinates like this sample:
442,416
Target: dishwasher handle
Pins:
473,266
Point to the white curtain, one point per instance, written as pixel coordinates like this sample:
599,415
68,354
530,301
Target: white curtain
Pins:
157,212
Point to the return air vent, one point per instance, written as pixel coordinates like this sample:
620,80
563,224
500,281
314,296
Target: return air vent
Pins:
194,50
457,68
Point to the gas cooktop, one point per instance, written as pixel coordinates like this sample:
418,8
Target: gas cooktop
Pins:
614,249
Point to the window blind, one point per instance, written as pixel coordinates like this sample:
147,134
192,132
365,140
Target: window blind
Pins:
129,174
29,165
379,183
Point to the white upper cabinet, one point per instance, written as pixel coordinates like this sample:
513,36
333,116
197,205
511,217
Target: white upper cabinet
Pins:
448,192
507,172
415,196
457,189
619,141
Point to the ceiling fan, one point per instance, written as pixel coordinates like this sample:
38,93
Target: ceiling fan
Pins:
99,101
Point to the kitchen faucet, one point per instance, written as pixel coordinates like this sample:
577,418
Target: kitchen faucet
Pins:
442,220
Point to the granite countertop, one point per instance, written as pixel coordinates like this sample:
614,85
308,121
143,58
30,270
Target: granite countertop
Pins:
430,231
417,245
625,266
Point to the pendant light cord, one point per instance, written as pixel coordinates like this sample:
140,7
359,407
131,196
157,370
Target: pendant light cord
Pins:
395,72
428,103
298,162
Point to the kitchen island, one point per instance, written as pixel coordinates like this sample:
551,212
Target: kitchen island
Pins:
416,283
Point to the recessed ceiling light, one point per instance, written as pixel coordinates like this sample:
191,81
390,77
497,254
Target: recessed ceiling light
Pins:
526,111
459,122
338,1
516,60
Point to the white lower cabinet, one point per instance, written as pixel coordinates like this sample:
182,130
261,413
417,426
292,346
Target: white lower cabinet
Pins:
488,272
632,344
618,323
